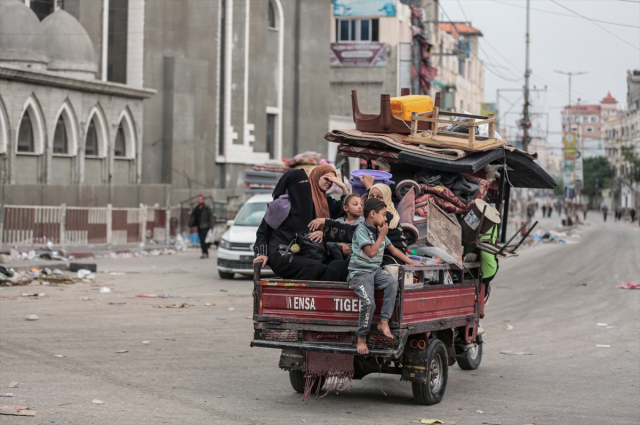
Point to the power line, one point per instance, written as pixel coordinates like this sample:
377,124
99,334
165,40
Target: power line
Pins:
571,16
596,24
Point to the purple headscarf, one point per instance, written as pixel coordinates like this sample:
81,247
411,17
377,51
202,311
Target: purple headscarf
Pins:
277,211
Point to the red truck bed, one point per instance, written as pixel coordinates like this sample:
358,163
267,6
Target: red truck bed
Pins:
323,316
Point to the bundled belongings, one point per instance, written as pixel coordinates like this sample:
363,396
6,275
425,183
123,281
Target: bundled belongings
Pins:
392,113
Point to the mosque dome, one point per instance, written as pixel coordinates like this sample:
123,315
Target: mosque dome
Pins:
69,47
22,39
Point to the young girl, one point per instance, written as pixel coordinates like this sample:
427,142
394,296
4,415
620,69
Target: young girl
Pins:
352,206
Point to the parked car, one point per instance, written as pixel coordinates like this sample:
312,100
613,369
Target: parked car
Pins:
235,251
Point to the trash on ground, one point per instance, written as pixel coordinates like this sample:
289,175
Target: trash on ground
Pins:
231,308
86,298
96,401
602,324
222,318
121,303
8,395
105,290
12,384
248,317
116,274
32,294
479,411
57,272
86,274
603,345
430,421
122,351
207,304
179,305
146,342
155,296
628,286
516,353
223,290
610,327
90,267
509,327
31,318
60,355
17,411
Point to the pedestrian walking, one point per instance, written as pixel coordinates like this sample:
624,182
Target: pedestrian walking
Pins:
584,211
202,218
604,213
544,210
633,215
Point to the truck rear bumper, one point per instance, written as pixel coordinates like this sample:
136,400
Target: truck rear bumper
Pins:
393,353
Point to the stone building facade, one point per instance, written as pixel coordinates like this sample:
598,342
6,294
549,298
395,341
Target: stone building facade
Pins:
130,101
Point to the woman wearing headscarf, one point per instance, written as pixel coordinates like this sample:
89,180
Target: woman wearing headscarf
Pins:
298,199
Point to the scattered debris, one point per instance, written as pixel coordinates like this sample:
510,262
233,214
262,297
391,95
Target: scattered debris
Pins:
8,395
86,274
32,294
60,355
479,411
603,345
180,305
222,318
610,327
90,267
602,324
17,411
105,290
31,318
12,385
86,298
116,274
248,317
156,296
208,304
509,327
223,290
122,351
628,286
96,401
231,309
120,303
146,342
516,353
579,284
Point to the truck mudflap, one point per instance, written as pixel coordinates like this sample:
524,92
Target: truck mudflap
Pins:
338,348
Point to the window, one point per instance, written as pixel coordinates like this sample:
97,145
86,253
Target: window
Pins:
91,144
120,149
589,129
251,214
60,143
594,119
357,30
461,67
117,41
26,142
42,8
271,15
271,134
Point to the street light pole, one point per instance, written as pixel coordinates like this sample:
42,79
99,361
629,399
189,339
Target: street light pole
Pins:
570,74
527,72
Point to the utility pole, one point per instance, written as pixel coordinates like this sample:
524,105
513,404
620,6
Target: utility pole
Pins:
498,121
526,123
570,74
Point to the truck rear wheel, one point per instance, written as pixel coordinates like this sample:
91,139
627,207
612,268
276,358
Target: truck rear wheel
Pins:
471,358
432,391
298,381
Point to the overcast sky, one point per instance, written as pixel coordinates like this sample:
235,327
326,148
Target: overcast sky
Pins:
559,41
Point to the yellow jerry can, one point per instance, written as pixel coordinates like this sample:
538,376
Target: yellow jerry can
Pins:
403,106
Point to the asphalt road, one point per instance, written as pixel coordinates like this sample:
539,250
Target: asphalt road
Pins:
199,369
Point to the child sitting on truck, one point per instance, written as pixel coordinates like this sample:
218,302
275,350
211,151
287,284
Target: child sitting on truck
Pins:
369,243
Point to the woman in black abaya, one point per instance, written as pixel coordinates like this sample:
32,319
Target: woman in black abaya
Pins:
295,205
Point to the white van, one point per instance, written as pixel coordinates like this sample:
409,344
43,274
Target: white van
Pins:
235,251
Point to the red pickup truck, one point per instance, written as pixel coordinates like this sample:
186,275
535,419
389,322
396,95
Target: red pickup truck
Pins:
434,325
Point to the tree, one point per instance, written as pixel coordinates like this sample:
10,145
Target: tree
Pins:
598,172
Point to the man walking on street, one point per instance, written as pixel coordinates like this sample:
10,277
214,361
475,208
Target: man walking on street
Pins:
633,215
202,218
604,213
584,211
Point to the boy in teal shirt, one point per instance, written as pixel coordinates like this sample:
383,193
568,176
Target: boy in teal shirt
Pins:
369,243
